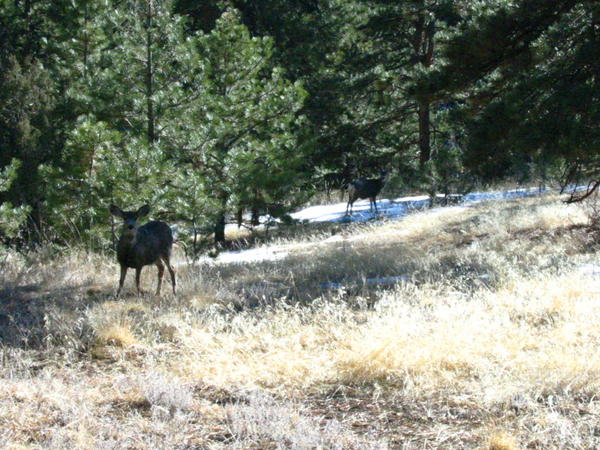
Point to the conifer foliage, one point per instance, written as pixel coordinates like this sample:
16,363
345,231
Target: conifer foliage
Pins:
222,110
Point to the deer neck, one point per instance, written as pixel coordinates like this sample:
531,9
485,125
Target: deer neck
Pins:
127,241
125,250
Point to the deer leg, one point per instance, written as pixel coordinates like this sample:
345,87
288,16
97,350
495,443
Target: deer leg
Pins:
171,271
375,203
161,271
122,279
138,271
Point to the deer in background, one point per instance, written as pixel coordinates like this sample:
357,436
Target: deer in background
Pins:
365,189
141,246
336,180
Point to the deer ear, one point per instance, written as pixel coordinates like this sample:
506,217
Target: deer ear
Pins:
143,211
115,211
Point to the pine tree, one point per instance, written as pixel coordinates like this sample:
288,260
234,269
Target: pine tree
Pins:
131,86
386,47
241,133
11,217
528,71
26,102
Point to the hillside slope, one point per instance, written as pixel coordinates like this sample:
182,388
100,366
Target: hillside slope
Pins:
482,331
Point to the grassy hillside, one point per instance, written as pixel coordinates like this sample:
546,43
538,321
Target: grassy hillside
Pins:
491,340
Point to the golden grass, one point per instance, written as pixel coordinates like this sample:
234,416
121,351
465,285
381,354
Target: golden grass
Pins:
502,440
119,335
539,337
491,341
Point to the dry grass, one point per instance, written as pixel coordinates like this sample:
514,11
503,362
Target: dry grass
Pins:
501,440
491,341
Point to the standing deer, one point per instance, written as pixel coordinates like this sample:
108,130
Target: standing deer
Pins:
141,246
365,189
335,180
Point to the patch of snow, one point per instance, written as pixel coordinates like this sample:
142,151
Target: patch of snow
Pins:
589,269
394,208
250,255
476,197
391,209
361,211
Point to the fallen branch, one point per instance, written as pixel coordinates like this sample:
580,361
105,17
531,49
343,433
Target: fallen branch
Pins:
592,187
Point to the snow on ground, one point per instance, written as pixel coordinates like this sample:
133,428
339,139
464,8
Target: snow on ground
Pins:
590,269
393,209
361,212
271,253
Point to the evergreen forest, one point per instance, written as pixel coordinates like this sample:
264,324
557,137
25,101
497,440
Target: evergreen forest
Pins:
218,110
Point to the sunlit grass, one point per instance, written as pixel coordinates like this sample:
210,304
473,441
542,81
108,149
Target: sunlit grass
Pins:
488,339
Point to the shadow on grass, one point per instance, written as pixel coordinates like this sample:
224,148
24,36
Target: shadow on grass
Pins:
32,317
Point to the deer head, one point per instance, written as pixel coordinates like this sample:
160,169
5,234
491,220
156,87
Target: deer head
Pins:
130,219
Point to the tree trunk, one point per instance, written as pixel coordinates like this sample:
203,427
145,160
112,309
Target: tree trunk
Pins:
195,240
239,216
423,45
220,228
255,209
220,222
149,76
424,134
113,232
255,216
86,44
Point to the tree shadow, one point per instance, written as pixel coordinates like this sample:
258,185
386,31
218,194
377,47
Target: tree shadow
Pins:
32,317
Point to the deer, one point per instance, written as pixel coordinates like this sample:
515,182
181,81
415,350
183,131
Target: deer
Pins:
335,180
144,245
365,189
